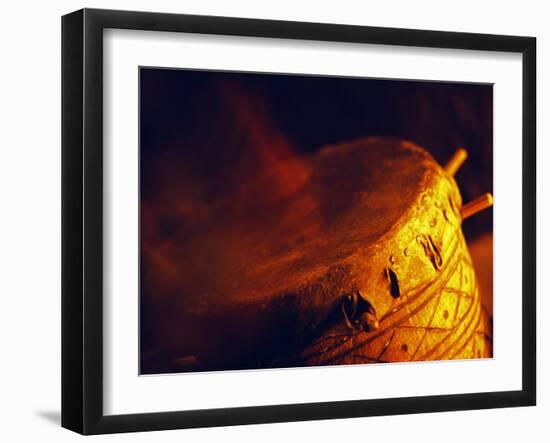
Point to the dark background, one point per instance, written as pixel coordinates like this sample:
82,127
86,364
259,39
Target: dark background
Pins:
197,124
190,113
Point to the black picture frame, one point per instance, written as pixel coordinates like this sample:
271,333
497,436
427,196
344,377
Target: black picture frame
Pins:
82,219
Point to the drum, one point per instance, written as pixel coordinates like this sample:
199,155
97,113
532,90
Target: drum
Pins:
352,255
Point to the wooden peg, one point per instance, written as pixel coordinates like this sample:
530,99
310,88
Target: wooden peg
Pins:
454,164
479,204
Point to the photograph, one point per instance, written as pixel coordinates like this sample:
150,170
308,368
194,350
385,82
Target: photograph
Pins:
294,221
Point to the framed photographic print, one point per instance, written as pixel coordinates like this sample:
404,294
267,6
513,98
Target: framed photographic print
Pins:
270,221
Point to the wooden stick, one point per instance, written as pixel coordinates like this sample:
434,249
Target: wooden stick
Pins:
479,204
456,161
